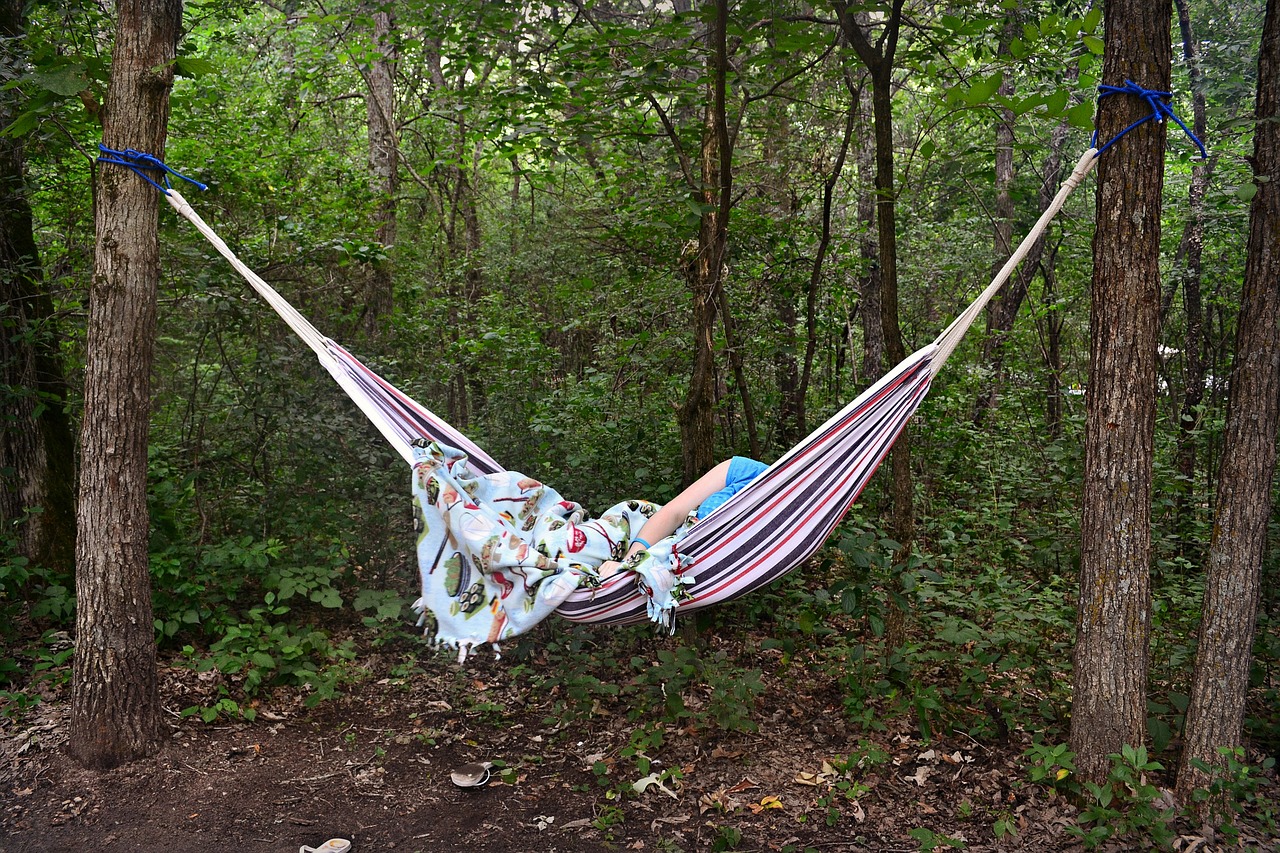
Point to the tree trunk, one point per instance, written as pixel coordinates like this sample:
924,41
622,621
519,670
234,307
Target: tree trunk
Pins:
872,332
1114,619
383,162
37,446
1003,310
114,702
1191,250
457,198
879,62
704,272
820,256
1215,715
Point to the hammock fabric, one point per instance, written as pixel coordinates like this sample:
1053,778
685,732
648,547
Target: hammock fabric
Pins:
773,525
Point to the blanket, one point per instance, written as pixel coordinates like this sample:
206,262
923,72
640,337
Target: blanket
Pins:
498,553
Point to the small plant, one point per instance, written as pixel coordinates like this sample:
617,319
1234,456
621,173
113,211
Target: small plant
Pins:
726,838
225,707
930,840
1052,765
1127,804
1233,789
1005,826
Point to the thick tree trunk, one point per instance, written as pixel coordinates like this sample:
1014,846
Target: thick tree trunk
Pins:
383,162
1114,620
37,446
1215,715
705,270
114,704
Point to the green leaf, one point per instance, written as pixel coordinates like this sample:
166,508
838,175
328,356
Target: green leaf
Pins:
1056,103
1081,115
23,124
927,148
263,660
1246,192
192,66
1092,19
982,91
1094,44
66,80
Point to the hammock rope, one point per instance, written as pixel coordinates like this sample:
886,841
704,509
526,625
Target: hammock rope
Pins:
768,528
764,531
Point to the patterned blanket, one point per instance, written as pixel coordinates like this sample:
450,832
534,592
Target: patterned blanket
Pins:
498,553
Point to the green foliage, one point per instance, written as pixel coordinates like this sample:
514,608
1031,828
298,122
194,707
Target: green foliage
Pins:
1235,788
1127,805
930,840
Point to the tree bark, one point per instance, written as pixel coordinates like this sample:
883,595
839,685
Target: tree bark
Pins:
383,162
1114,620
1215,715
37,446
705,270
114,703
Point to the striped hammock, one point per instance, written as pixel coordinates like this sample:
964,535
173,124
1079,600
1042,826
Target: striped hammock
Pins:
764,531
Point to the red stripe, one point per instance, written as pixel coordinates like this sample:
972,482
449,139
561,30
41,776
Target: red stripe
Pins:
751,568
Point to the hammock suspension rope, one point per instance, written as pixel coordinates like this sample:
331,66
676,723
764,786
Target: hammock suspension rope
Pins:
769,527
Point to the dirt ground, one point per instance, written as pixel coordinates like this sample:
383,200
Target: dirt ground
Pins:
374,767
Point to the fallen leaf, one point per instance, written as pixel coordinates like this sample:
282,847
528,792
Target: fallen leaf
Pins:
746,784
809,779
653,826
922,774
767,802
653,779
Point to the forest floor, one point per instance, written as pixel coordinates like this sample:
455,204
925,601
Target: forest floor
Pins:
374,764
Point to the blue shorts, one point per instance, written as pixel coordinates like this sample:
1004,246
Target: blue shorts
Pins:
741,471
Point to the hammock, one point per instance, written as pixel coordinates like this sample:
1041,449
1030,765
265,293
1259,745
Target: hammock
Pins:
764,531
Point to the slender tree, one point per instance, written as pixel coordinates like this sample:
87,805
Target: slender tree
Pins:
1190,251
380,103
1113,624
879,60
705,270
37,446
114,703
1215,715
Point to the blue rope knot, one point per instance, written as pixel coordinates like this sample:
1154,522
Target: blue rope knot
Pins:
138,161
1159,111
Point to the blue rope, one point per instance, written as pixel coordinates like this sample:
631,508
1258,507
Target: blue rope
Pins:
1159,111
137,161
